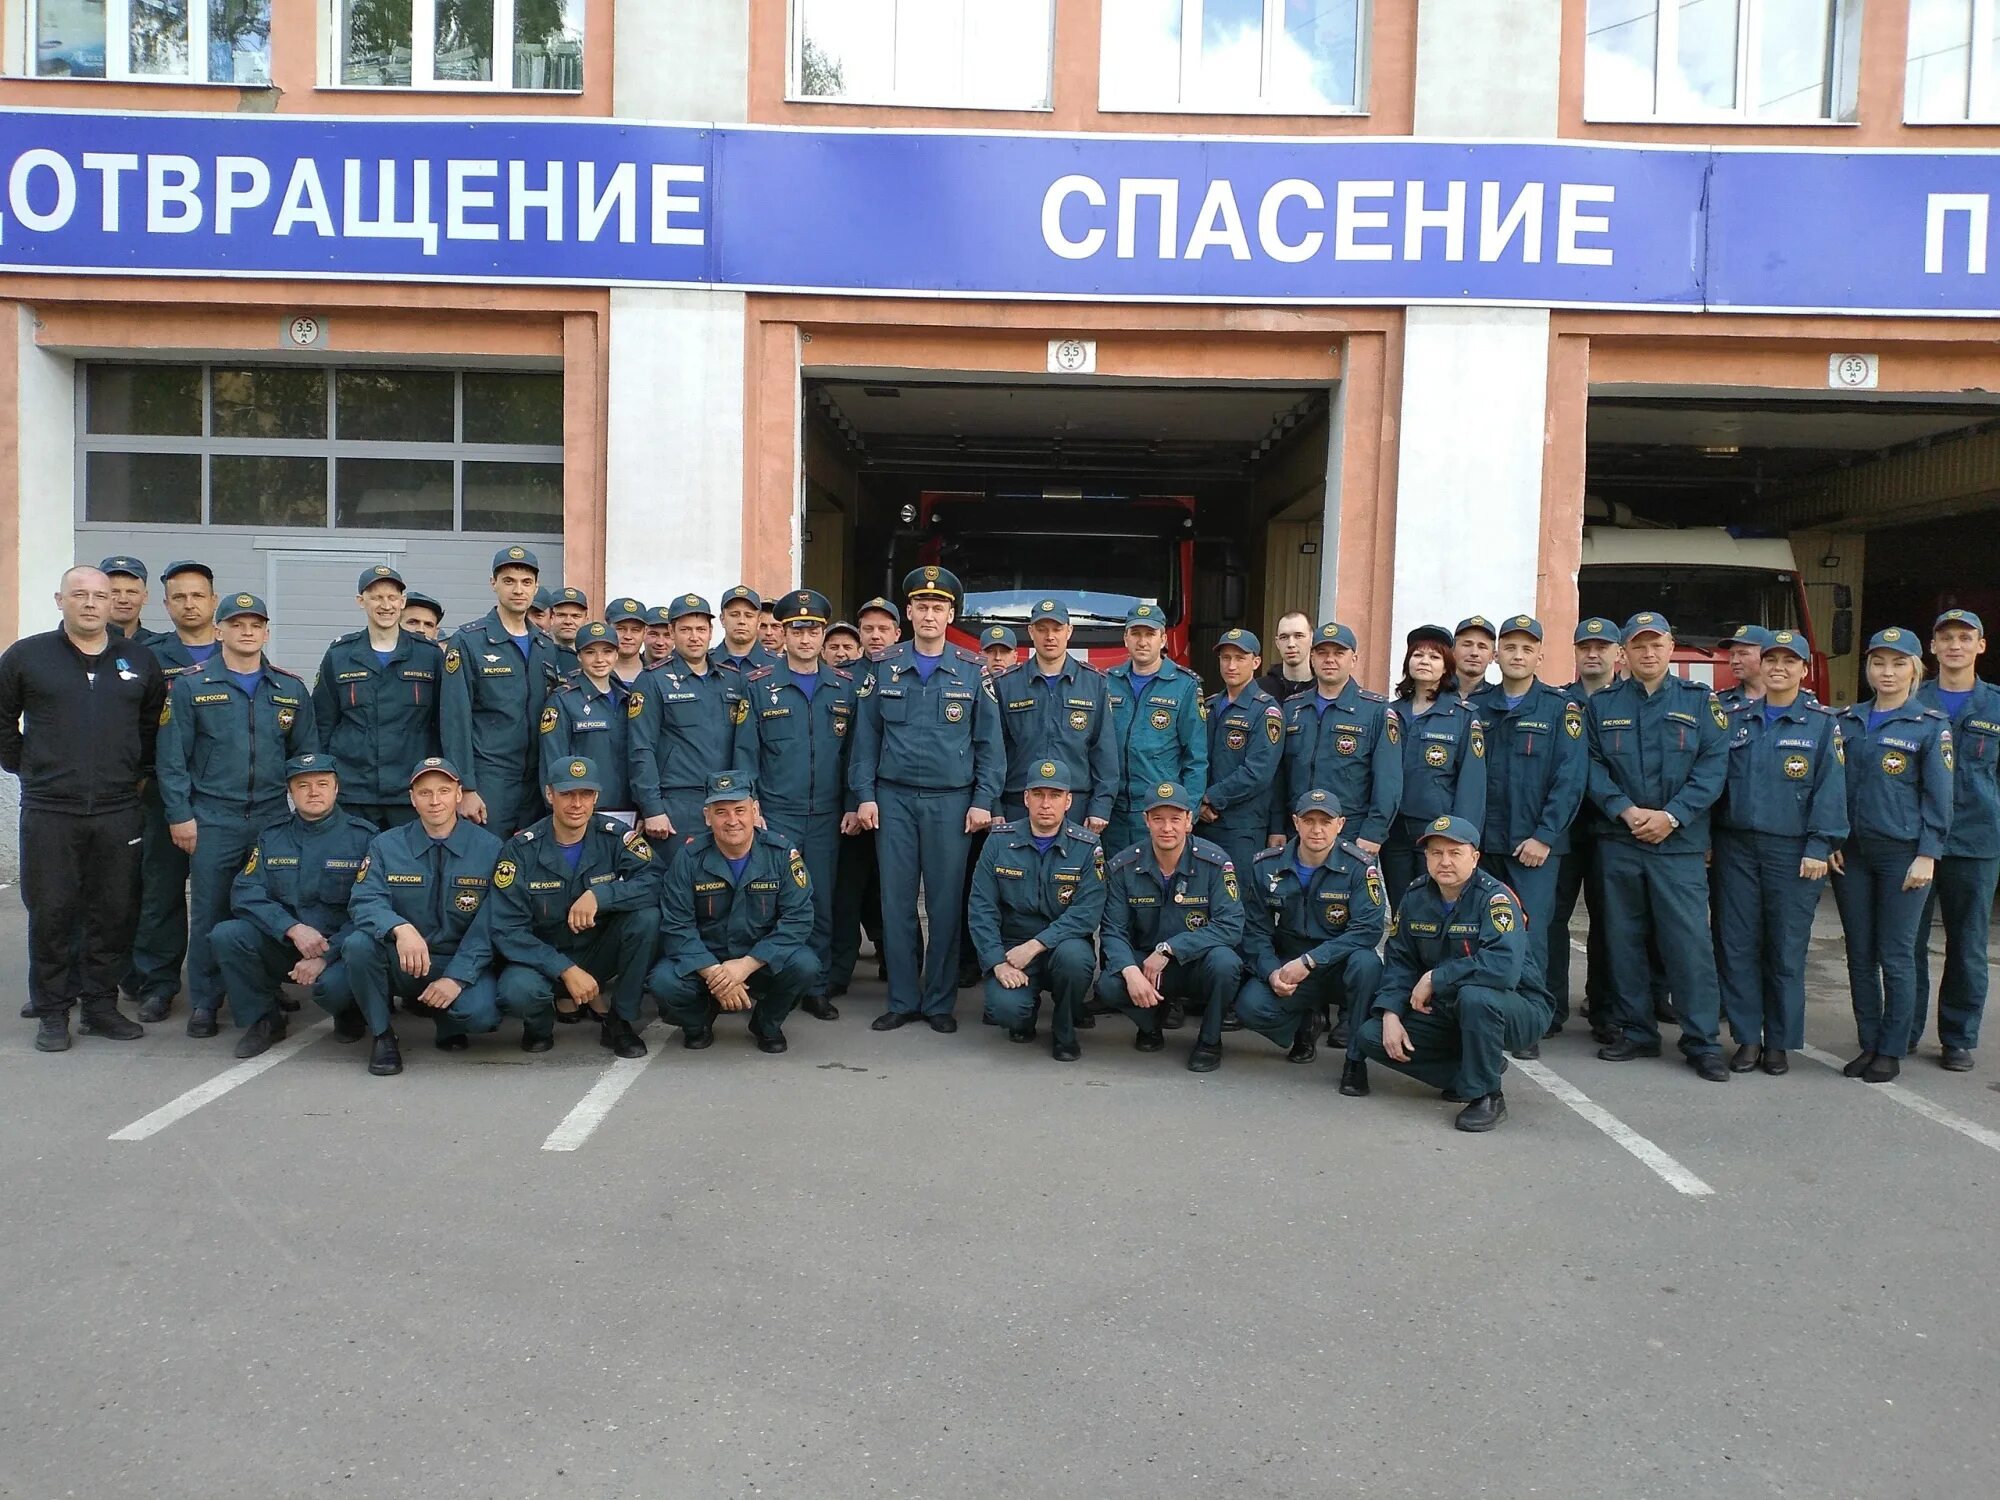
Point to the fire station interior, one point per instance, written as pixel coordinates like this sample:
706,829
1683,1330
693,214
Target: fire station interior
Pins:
1070,487
1887,503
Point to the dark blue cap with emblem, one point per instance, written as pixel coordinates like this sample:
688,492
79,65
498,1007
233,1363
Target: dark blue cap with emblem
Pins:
689,604
1896,639
1243,640
1521,625
1457,830
1436,635
742,593
997,635
242,604
432,763
1318,800
1146,616
187,565
1051,773
1049,609
578,774
517,556
841,627
543,599
423,601
1333,633
1963,617
1751,635
1789,642
131,567
569,596
931,582
1596,628
380,573
804,607
1475,622
881,606
596,633
626,609
1168,794
659,614
1646,622
730,786
309,764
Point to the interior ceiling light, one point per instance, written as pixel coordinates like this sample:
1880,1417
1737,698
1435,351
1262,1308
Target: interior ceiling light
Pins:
1719,450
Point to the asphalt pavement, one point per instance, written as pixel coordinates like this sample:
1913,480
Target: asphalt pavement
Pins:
907,1264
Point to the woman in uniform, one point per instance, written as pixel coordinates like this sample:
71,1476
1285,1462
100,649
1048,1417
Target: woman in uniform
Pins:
1444,758
1899,796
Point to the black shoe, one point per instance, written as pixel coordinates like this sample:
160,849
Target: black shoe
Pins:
202,1023
1625,1049
386,1060
1020,1033
108,1021
694,1038
28,1014
1065,1052
348,1025
1231,1021
889,1020
624,1040
1775,1062
1528,1053
1881,1069
537,1040
1453,1096
571,1017
1303,1050
967,978
1709,1067
1338,1037
1555,1029
1745,1058
286,1003
156,1007
1174,1016
1859,1065
1956,1060
1205,1058
771,1044
453,1041
261,1033
835,991
1604,1034
1146,1040
1086,1022
53,1033
945,1024
820,1008
1483,1114
1354,1078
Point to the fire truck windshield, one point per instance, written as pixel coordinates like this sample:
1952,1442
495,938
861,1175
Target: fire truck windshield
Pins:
1704,605
1099,578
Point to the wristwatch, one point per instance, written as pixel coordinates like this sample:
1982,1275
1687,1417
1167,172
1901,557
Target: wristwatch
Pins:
1307,960
1164,949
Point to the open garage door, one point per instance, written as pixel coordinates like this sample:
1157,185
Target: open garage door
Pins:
1195,498
1833,515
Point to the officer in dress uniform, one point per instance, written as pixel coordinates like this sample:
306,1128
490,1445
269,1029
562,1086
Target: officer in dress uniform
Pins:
1781,817
793,739
591,716
1343,740
422,931
1158,720
376,702
1315,913
1597,658
737,913
1970,866
857,897
1659,758
1246,739
1173,929
1900,795
225,735
692,705
1037,898
576,915
290,906
498,674
160,941
1450,1006
926,770
1537,766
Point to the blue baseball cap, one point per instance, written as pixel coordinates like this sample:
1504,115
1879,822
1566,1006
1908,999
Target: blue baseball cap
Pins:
1963,617
997,635
424,601
1050,773
380,573
1458,830
1049,609
309,764
1436,634
1752,635
880,606
187,565
659,614
517,556
569,596
626,609
1147,616
804,607
577,774
743,593
1596,628
1243,640
1318,800
1646,622
1789,641
1895,638
842,627
242,604
688,604
1333,633
436,763
542,599
730,786
596,633
130,566
1521,625
1168,794
1475,622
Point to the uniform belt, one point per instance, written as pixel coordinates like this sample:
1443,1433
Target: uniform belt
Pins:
911,786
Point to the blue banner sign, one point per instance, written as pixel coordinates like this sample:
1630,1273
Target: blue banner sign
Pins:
958,214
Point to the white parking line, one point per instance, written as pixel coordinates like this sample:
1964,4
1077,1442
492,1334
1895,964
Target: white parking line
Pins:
1671,1172
1987,1138
581,1123
222,1083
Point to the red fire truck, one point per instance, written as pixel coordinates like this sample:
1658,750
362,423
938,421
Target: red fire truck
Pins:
1099,553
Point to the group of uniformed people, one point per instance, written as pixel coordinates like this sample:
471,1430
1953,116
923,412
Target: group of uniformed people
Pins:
547,817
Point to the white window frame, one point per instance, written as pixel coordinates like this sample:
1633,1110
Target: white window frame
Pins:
118,48
1193,14
1982,90
795,48
1749,39
423,54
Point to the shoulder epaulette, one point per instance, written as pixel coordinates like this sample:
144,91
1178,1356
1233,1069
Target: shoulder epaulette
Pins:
756,674
1355,851
1081,834
523,836
1124,859
842,673
1263,854
350,638
1937,713
969,656
283,672
1209,853
1368,695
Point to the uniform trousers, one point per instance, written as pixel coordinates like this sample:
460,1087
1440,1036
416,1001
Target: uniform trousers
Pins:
1209,982
775,991
1764,916
1963,893
1349,984
616,953
1880,920
374,977
1649,895
253,964
1462,1045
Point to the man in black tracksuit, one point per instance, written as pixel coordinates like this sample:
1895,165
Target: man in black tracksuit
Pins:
79,710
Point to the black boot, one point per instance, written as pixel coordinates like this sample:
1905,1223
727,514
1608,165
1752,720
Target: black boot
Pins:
1175,1017
1354,1078
348,1025
106,1020
820,1008
201,1023
53,1033
1303,1048
624,1040
386,1060
261,1033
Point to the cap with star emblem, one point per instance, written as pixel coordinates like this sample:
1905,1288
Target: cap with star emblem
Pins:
1596,628
1751,635
1243,640
1452,829
435,763
626,609
1333,633
742,593
131,567
1646,622
309,764
931,582
1963,617
242,604
577,775
1049,773
380,573
1475,622
1903,642
1521,625
804,607
1168,794
1319,800
1049,609
997,635
730,786
689,604
516,556
596,633
879,605
1791,643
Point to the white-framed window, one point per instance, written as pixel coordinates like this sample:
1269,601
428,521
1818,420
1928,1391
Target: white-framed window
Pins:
166,41
1953,73
492,45
1754,61
955,54
1291,57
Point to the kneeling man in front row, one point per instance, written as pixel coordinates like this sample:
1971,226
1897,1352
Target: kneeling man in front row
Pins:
737,915
1451,1007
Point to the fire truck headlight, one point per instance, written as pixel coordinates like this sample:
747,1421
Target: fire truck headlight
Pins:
909,515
